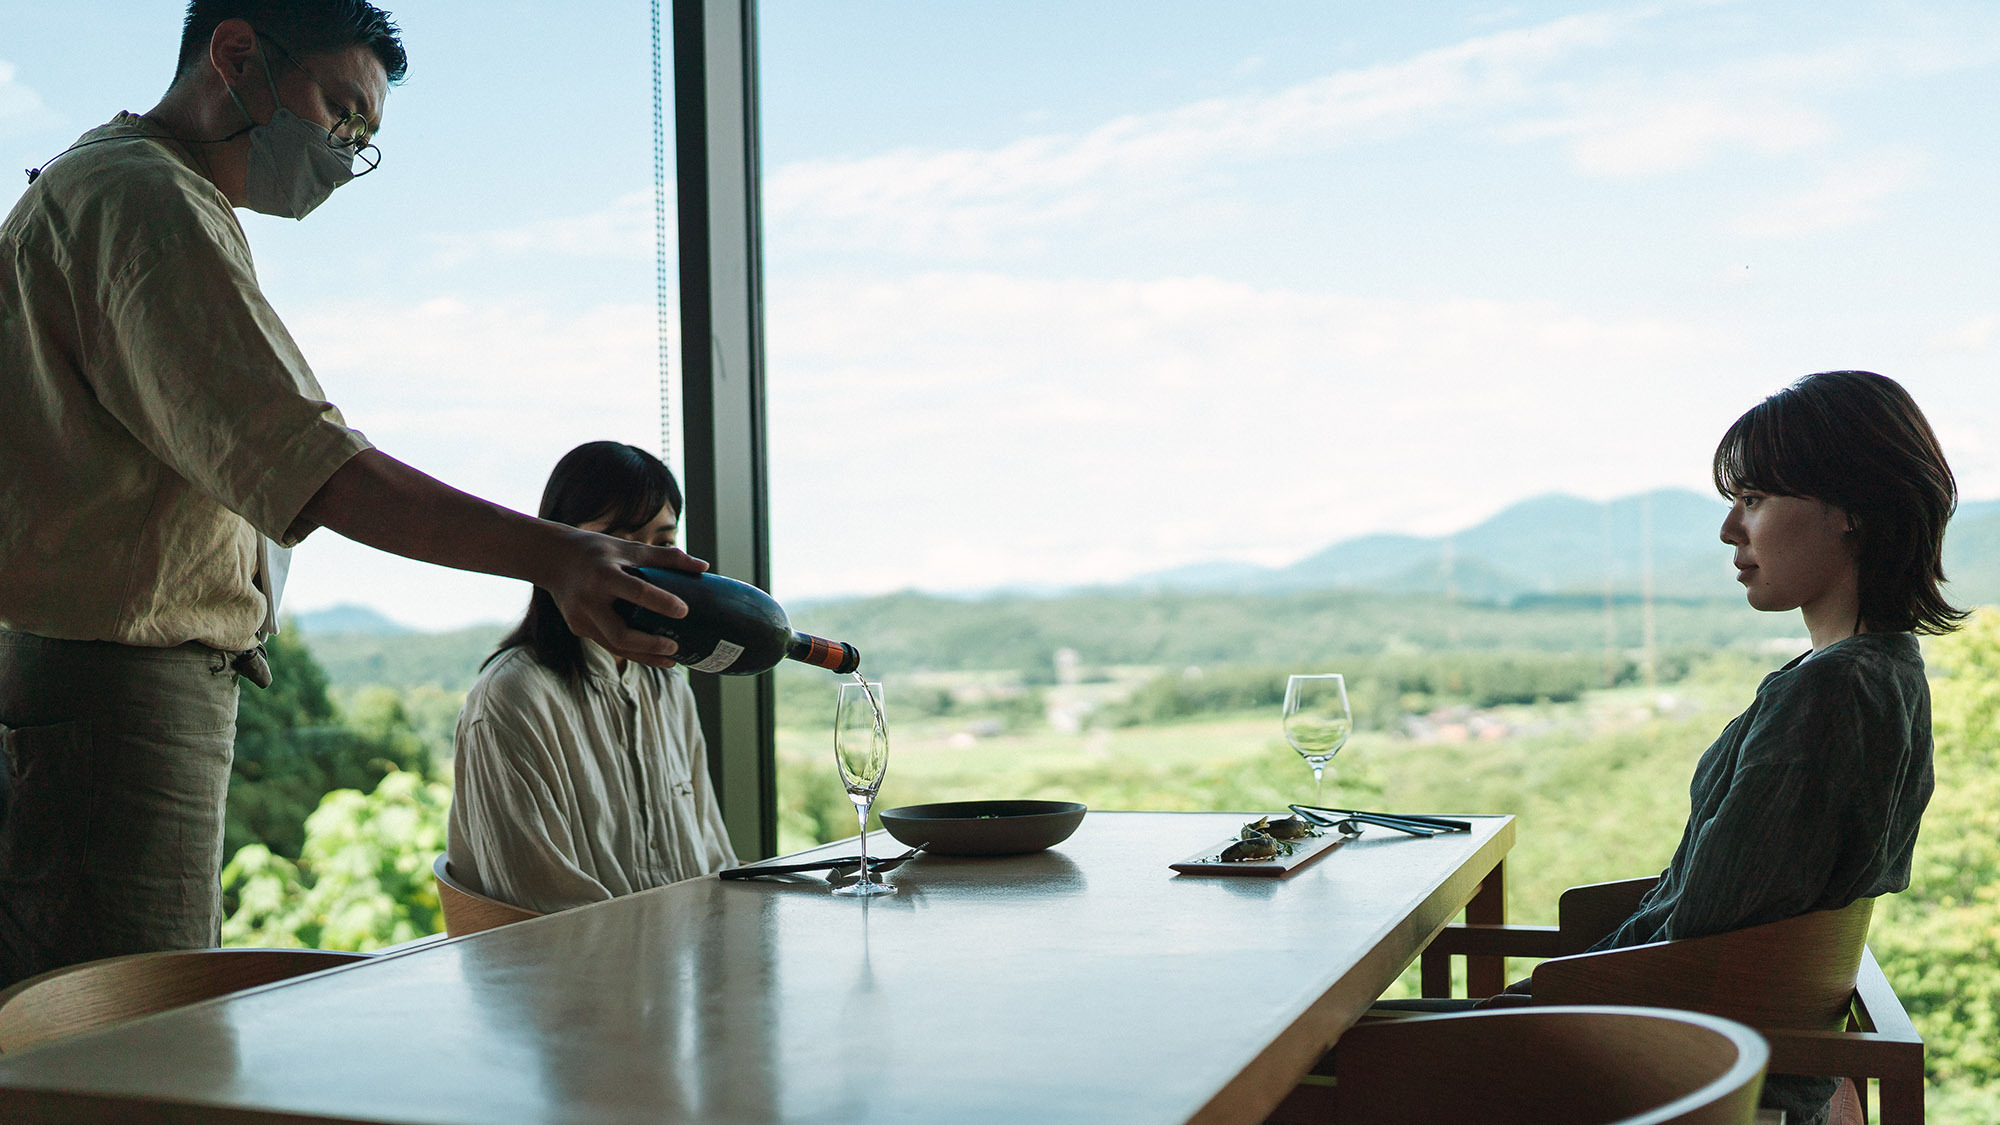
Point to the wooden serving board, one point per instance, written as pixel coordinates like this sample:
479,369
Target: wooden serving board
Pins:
1209,861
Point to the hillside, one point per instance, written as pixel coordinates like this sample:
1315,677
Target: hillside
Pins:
911,632
1563,545
1530,578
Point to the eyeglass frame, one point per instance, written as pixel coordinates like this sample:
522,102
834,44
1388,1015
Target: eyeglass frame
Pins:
359,143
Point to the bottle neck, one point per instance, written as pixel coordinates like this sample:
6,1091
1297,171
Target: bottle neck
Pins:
834,656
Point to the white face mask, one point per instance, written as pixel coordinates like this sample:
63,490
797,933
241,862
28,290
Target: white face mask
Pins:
292,168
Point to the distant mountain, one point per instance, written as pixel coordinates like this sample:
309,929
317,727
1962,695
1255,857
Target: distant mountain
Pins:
1562,545
1972,554
1553,544
348,619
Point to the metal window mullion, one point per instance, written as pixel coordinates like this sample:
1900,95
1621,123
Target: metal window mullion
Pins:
722,372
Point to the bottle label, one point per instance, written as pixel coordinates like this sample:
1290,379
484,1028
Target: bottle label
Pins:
724,655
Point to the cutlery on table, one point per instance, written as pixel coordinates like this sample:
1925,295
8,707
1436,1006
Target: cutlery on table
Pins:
1411,823
835,867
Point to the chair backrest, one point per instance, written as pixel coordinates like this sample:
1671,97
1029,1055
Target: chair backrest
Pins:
1578,1066
96,994
466,911
1798,973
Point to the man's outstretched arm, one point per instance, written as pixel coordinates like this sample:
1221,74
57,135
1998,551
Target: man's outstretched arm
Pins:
377,500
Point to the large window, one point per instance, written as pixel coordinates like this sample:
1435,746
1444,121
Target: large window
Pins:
1124,358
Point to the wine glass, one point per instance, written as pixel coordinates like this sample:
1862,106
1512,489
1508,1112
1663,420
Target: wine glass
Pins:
861,750
1317,721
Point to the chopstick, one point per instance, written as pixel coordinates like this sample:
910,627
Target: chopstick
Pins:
875,863
1403,822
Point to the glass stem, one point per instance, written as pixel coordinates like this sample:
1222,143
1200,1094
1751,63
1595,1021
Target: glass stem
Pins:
861,811
1319,790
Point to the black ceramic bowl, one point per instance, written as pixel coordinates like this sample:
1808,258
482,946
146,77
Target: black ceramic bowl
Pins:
984,827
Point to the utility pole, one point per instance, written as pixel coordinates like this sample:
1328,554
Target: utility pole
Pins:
1646,584
1610,625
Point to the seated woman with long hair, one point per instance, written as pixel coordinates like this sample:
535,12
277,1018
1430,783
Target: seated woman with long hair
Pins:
1810,799
579,776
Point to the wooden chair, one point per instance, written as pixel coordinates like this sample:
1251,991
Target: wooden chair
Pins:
466,911
1808,984
1575,1065
95,994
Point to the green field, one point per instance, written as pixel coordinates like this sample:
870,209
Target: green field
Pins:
1599,784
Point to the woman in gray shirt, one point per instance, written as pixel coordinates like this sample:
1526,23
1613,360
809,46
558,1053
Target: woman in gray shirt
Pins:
1810,799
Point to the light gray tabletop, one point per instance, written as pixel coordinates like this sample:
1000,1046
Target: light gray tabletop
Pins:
1086,984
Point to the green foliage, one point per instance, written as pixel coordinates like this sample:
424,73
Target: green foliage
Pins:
292,746
362,881
813,808
1939,942
812,804
805,696
1382,688
901,633
447,661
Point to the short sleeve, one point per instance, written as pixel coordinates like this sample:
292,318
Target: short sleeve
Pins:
199,369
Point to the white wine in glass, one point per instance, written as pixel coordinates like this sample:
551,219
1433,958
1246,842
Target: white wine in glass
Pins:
861,750
1317,721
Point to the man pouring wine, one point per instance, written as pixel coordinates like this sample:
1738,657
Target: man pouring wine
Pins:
163,442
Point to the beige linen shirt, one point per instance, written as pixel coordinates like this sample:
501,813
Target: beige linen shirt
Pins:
566,795
155,415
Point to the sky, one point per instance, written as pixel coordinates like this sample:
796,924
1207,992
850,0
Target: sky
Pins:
1069,292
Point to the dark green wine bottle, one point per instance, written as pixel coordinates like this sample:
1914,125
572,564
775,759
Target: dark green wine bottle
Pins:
732,627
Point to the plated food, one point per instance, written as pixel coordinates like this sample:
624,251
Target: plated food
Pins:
1268,846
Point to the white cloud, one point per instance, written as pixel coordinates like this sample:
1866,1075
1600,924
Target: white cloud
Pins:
485,397
1656,135
622,228
1847,195
976,199
21,108
1975,335
1664,120
969,430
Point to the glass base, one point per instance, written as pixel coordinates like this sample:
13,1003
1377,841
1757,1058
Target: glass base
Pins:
863,890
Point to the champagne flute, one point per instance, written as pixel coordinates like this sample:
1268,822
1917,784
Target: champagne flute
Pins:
1317,721
861,750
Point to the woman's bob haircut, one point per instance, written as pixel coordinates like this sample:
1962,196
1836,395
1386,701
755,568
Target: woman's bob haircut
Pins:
1857,441
598,480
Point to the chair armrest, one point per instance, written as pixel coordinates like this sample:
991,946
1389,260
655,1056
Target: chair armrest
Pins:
1588,913
1479,940
1885,1044
1876,1005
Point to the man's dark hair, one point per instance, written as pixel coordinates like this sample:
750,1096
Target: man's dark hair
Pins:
1857,441
597,480
303,27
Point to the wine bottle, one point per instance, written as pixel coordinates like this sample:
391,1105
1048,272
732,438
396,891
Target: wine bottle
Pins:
731,627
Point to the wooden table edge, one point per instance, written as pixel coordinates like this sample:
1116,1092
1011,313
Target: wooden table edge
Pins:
1260,1086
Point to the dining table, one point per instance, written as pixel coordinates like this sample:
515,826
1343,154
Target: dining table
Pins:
1084,983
